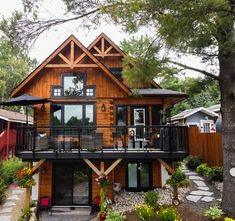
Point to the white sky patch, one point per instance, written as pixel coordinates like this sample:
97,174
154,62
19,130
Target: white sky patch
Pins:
50,40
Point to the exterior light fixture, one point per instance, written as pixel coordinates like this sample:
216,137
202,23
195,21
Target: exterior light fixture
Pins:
103,108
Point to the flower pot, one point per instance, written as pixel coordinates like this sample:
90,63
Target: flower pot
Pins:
102,216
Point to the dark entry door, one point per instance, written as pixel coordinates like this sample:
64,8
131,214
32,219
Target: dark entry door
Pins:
71,184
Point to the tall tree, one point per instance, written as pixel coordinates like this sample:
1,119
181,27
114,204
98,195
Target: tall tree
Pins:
202,91
203,27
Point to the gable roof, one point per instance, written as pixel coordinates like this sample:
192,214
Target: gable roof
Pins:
215,108
118,49
189,112
72,38
14,117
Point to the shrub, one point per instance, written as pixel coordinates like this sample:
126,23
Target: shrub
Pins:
203,169
213,213
25,215
115,216
228,219
11,168
178,179
193,162
151,199
145,212
216,174
169,214
2,190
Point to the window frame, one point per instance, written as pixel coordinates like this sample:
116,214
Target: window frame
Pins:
85,86
139,188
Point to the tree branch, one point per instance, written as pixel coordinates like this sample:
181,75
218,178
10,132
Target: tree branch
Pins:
195,69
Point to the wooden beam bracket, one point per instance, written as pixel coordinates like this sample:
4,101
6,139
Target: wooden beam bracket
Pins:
168,168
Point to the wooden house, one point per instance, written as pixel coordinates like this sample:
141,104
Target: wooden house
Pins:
96,125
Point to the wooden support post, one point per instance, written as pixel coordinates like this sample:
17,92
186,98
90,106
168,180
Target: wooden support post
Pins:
39,163
112,166
168,168
92,166
102,167
28,193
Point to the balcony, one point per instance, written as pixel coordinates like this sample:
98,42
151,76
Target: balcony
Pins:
102,142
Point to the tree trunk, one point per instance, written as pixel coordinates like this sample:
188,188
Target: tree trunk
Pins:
227,87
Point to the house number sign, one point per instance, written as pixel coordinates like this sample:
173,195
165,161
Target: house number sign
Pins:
232,172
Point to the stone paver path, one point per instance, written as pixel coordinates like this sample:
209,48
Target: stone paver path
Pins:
11,207
202,191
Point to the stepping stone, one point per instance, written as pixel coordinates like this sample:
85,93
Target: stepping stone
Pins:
191,173
207,199
5,218
9,204
13,197
201,193
17,191
203,188
7,210
199,183
193,198
195,178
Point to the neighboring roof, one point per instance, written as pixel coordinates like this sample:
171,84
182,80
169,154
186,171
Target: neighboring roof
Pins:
158,92
189,112
14,116
56,52
215,108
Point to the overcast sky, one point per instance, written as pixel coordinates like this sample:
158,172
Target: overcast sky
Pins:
49,41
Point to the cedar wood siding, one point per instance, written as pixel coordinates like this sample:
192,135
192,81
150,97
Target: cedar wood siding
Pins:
108,92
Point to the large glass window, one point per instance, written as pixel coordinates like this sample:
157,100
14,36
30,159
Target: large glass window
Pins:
73,115
73,85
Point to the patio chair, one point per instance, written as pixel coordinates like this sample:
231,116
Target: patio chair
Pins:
92,142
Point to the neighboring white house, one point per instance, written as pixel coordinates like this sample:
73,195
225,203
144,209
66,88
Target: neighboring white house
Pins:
201,117
217,110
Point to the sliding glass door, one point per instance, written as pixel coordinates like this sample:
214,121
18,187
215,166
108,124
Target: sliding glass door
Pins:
71,184
139,176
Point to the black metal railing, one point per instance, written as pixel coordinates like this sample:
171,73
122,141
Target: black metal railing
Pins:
102,138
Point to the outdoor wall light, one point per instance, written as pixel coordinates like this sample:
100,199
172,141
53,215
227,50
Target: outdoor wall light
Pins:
43,107
103,108
43,170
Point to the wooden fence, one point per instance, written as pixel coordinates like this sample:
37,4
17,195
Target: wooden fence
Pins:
206,145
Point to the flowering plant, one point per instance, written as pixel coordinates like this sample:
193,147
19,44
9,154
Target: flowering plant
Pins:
24,178
103,181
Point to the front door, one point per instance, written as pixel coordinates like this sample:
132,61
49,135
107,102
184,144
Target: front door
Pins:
139,122
71,184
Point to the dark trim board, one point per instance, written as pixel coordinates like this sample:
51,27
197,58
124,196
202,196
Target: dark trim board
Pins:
75,155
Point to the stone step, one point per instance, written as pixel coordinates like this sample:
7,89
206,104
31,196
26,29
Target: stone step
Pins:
86,210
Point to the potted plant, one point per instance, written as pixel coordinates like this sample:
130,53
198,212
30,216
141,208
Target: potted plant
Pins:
104,183
24,178
178,179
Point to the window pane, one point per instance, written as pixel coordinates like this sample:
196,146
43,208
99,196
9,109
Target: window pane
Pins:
139,116
57,115
132,175
73,115
73,85
144,175
121,116
89,119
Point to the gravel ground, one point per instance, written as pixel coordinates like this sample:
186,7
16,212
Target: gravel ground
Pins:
126,201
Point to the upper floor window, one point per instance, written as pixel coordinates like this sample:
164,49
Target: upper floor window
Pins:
73,85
